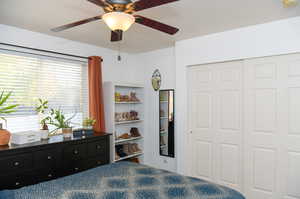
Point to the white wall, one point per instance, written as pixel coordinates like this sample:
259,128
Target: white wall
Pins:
279,37
164,60
113,70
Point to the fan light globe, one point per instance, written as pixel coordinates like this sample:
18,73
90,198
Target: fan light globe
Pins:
289,3
118,20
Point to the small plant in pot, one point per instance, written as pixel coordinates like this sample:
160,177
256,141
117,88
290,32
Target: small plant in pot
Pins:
87,126
59,120
41,109
5,110
88,123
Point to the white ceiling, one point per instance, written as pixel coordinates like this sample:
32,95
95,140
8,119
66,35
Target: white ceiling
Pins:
193,17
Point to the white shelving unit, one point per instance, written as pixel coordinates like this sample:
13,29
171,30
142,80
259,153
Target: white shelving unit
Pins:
130,156
128,122
128,103
117,128
121,141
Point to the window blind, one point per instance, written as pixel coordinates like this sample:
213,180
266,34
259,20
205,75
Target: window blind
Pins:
63,83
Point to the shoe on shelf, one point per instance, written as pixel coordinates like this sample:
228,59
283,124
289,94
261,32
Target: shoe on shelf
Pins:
136,148
133,97
135,160
134,132
124,136
134,115
126,149
131,149
120,151
117,157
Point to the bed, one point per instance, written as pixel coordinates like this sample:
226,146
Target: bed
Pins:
123,180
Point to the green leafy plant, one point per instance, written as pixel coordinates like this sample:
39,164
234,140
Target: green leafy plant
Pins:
59,120
42,108
6,109
87,122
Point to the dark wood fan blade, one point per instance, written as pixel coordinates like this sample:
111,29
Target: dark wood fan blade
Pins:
156,25
100,3
116,35
71,25
145,4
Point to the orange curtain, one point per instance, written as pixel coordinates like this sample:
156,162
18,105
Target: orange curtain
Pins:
96,103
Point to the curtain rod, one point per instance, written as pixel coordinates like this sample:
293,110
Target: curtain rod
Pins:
41,50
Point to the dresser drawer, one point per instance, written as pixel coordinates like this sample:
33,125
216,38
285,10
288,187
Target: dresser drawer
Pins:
97,161
16,163
75,152
45,175
48,158
17,181
97,147
75,166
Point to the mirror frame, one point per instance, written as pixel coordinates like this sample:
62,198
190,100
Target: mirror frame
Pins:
171,136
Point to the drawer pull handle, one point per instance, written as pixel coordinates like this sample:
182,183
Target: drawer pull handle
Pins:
50,175
16,163
49,157
75,152
17,183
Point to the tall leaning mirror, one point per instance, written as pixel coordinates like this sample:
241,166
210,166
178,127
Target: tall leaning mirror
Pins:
166,123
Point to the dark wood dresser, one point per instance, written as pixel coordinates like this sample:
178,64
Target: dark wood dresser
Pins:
22,165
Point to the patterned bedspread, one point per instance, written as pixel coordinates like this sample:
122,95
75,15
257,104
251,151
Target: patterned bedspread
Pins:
123,180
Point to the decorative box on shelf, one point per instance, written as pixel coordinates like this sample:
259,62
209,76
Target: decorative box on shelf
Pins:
83,132
25,137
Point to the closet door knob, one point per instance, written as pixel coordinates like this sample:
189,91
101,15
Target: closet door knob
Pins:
76,168
49,157
50,175
16,163
17,183
75,152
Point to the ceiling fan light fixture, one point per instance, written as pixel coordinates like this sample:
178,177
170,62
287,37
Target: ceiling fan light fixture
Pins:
118,20
290,3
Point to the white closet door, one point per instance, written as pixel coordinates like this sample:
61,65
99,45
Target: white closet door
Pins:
215,107
201,91
272,127
262,127
289,178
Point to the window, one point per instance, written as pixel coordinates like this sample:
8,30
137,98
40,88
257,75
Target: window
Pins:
63,83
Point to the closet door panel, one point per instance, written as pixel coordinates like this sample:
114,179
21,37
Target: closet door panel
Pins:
215,107
262,144
228,124
201,122
290,119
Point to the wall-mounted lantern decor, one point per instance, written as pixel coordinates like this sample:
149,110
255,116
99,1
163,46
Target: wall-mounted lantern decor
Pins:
156,80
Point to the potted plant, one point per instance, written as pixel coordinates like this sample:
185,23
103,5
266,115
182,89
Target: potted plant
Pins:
59,120
87,126
88,123
41,109
4,110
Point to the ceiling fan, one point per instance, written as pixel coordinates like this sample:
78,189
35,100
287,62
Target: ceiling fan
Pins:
119,16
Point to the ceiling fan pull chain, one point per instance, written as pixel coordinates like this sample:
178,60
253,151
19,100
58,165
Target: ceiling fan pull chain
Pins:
119,51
